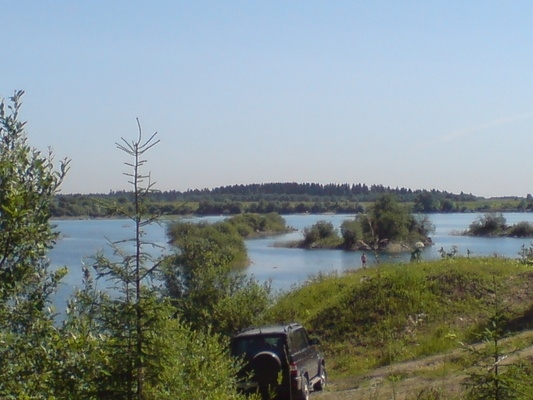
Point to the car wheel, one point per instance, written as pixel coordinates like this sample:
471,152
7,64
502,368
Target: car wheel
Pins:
321,384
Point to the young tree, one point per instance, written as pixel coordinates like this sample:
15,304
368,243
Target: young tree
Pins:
128,317
494,376
28,184
142,350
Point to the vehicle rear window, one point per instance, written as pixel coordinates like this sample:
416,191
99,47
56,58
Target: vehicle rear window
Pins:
250,346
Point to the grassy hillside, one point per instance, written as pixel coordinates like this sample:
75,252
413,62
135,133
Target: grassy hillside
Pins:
388,314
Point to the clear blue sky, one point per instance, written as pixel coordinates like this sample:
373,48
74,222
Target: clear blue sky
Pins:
417,94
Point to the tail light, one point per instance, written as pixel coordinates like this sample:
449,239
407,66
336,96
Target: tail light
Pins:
293,368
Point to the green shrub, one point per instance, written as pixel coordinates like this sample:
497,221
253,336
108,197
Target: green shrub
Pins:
489,224
250,224
389,220
351,233
521,229
223,237
322,233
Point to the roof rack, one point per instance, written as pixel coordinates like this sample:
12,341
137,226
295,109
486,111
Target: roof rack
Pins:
286,327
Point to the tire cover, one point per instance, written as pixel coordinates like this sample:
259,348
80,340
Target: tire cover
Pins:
266,367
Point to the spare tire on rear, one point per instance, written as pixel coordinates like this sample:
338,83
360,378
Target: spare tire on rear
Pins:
266,367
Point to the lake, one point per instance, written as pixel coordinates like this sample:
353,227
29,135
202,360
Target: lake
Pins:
284,267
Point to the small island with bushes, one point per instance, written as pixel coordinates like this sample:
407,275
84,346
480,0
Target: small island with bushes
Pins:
227,236
495,225
387,226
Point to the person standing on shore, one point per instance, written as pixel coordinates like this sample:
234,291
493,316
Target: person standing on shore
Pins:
363,260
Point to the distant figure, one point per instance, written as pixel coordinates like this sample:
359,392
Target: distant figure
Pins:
363,260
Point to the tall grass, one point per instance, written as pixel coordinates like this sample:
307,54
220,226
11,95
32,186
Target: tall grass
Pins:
390,313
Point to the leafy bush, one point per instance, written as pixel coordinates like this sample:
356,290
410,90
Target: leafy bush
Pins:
191,364
387,220
489,224
521,229
208,292
249,224
322,233
224,238
351,232
28,183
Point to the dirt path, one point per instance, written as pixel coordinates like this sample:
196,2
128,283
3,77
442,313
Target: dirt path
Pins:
408,380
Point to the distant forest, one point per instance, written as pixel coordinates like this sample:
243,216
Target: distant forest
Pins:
283,198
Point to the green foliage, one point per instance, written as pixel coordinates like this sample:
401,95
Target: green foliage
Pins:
129,317
287,198
521,229
433,201
351,232
28,337
426,202
386,220
321,234
495,224
28,183
223,237
208,292
489,224
180,362
420,227
129,343
201,276
192,365
250,224
227,237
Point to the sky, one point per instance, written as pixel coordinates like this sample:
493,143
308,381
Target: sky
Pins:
415,94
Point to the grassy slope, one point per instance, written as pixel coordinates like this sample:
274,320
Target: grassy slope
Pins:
382,317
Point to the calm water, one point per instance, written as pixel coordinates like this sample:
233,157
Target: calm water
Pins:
284,267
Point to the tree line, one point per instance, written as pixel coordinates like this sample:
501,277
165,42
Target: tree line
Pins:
267,198
288,191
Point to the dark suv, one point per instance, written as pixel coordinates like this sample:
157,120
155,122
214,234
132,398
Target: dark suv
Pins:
279,361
